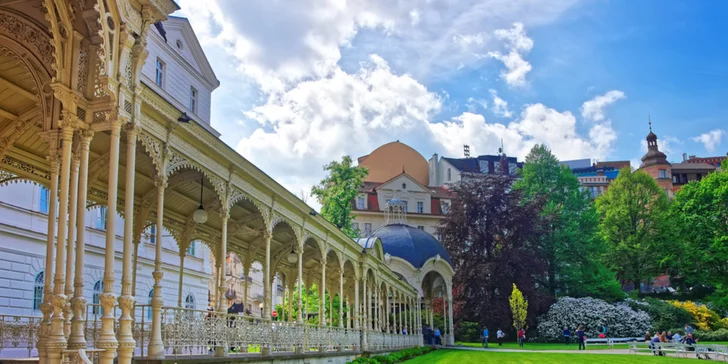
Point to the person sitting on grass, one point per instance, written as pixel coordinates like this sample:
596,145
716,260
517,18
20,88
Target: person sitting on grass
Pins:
567,334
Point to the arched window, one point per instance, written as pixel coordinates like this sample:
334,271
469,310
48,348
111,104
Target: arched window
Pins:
190,301
96,297
149,309
38,290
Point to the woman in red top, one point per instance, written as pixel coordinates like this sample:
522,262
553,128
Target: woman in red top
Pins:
521,337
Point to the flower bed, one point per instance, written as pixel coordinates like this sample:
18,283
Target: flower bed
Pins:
395,357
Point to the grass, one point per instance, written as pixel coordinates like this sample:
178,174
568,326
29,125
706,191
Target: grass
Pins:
449,356
555,346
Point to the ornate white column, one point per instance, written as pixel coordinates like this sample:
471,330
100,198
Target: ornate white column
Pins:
451,329
156,347
71,240
107,339
322,294
444,321
388,328
77,339
299,319
127,300
268,235
183,244
365,321
290,285
398,311
221,350
46,307
356,304
341,296
246,271
57,339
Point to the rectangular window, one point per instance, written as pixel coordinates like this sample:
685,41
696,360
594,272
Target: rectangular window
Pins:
445,207
420,207
45,196
152,232
193,99
662,173
159,73
360,203
405,205
191,249
355,226
101,218
449,174
421,227
367,228
675,178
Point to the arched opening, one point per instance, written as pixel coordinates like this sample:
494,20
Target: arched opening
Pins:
190,301
98,289
39,281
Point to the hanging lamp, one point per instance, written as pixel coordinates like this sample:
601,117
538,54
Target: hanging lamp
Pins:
200,215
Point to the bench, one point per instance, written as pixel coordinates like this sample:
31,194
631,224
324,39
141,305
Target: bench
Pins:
609,341
656,348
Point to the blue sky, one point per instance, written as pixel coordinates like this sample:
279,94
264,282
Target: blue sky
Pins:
307,82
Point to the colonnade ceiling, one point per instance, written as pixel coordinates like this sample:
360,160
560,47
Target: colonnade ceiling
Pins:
434,285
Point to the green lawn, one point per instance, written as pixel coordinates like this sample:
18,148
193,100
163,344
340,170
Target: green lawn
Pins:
555,346
449,356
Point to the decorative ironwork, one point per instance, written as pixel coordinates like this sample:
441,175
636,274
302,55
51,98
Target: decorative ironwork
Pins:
19,332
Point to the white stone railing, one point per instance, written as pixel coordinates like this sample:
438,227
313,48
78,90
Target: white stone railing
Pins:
187,332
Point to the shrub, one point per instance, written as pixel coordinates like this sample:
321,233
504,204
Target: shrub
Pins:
717,335
621,320
665,316
394,357
467,331
704,318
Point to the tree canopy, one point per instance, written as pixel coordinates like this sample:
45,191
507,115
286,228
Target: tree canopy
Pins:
569,243
634,224
336,192
490,233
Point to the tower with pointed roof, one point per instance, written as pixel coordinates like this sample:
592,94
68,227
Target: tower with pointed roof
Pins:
655,163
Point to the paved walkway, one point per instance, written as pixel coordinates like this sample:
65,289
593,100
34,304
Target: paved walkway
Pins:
575,352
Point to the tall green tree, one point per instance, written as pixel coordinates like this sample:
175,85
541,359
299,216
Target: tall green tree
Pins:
337,191
570,242
635,225
700,216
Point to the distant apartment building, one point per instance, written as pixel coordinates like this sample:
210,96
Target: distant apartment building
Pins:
595,177
398,171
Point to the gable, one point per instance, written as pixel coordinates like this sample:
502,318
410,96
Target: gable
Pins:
403,183
183,41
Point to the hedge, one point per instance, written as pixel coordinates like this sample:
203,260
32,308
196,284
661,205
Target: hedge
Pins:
395,357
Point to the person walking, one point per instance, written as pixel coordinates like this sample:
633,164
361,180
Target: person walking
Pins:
438,339
499,335
603,331
567,335
485,337
581,338
521,337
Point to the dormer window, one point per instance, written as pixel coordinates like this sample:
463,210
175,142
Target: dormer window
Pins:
193,99
159,73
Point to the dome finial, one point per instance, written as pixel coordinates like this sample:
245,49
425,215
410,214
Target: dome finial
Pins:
649,122
396,211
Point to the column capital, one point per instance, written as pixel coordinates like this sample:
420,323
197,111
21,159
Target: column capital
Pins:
86,136
131,130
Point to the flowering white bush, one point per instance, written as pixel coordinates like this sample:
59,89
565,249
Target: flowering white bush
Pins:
621,320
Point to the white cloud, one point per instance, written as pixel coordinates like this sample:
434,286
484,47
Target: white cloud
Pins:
537,123
594,108
500,106
314,91
710,139
518,44
473,103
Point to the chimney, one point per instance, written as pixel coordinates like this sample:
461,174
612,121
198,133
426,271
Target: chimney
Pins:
466,150
685,157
